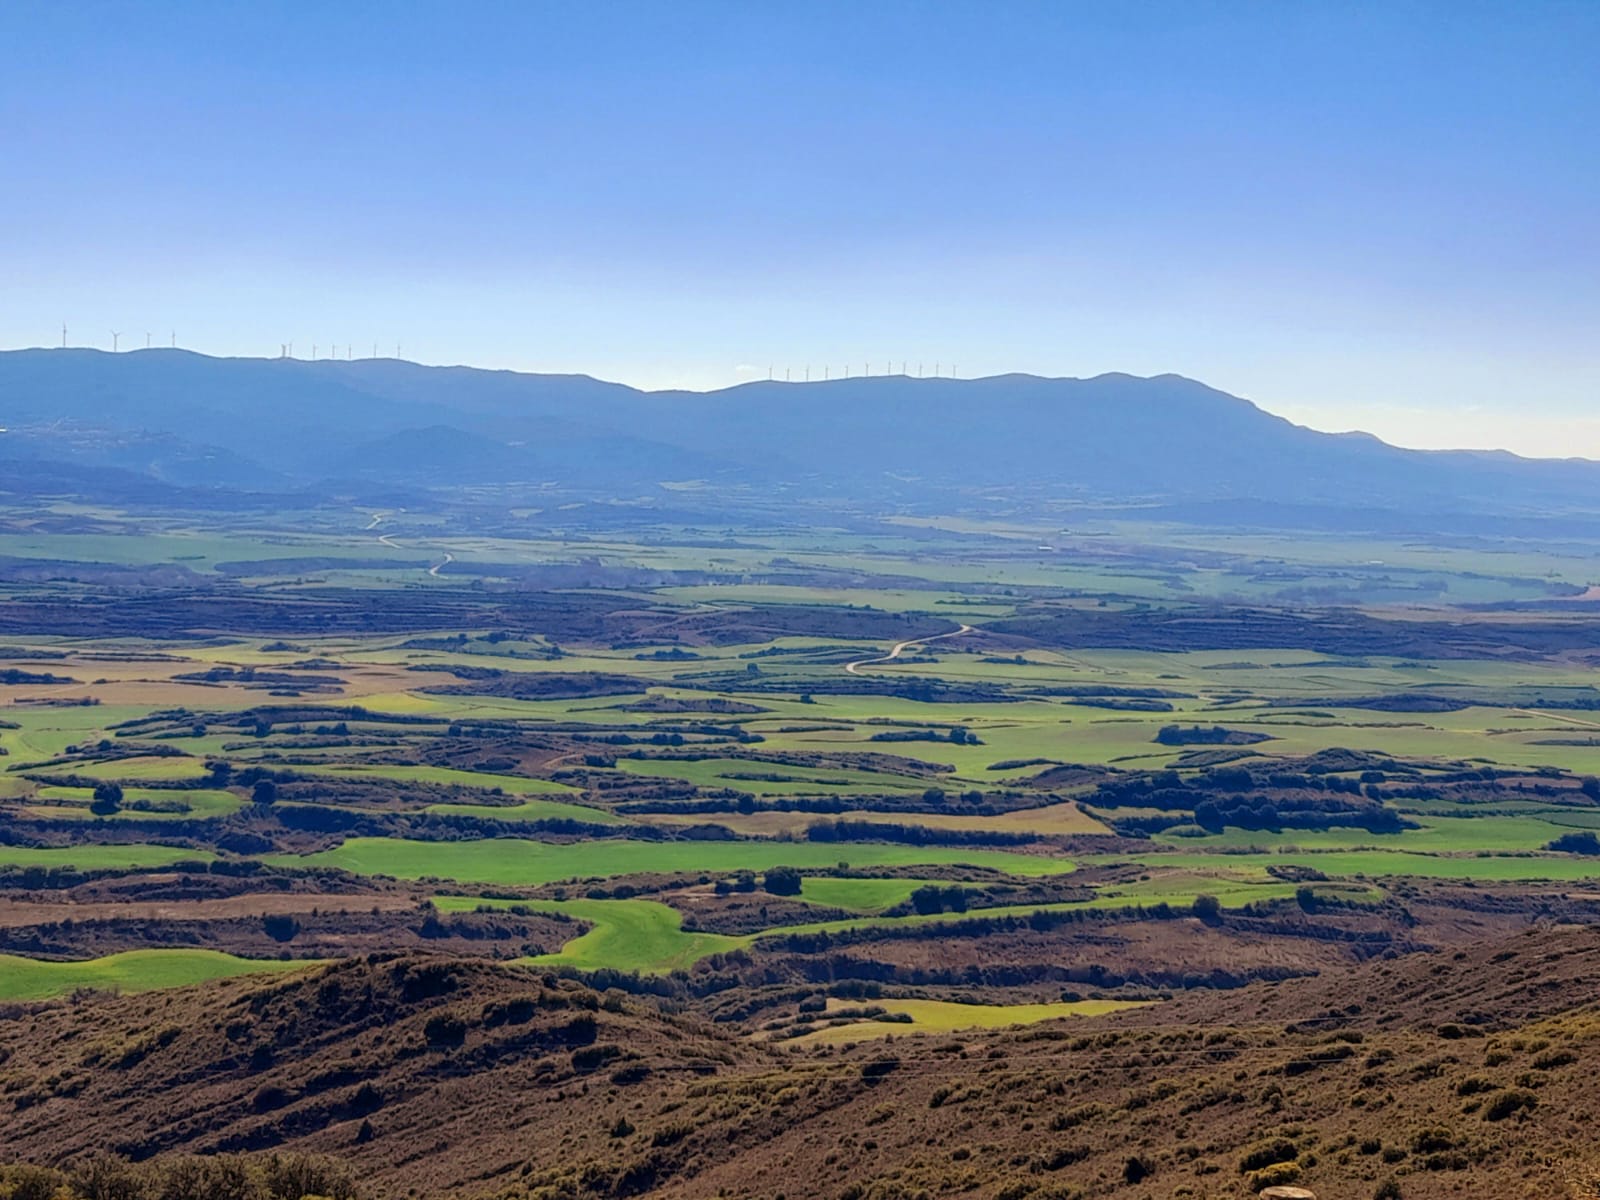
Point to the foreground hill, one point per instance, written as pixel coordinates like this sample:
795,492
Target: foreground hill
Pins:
285,424
1386,1079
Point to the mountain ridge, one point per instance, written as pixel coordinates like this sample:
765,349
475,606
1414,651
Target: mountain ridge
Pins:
887,440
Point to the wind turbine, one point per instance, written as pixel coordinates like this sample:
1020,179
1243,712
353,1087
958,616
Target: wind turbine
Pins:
115,338
174,342
63,335
147,339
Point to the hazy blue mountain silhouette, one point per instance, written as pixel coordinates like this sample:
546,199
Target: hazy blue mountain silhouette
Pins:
252,423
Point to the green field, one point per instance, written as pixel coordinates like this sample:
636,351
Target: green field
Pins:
860,895
1438,835
131,971
71,803
532,810
1377,864
515,785
513,861
1033,687
627,935
647,936
119,857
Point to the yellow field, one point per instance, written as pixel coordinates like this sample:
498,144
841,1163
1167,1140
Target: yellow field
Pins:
944,1016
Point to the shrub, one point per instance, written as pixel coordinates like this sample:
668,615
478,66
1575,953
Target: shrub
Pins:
1576,843
1274,1176
1510,1103
783,881
26,1182
878,1068
1267,1154
446,1029
1554,1059
107,799
280,927
1428,1141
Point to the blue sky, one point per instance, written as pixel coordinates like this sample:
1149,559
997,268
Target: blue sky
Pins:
1360,215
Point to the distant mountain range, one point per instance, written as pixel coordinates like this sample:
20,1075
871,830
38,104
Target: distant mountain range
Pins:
282,424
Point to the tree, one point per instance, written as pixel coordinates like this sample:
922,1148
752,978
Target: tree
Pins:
265,792
1591,787
1207,907
933,796
783,881
280,927
107,799
1576,843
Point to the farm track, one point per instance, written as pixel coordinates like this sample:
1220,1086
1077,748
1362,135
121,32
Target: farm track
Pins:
1550,716
899,648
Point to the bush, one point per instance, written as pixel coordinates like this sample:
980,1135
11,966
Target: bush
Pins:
280,927
1510,1103
446,1029
107,799
783,881
26,1182
1576,843
1276,1175
1267,1154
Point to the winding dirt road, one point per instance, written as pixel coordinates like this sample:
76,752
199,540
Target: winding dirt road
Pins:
854,668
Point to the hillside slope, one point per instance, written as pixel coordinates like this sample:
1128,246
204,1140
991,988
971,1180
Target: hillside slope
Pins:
436,1075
